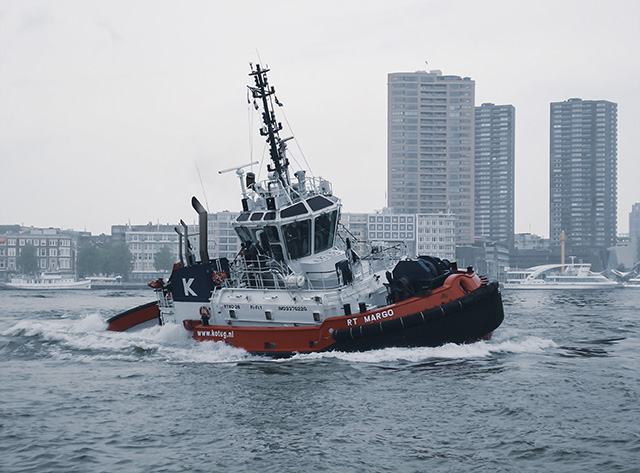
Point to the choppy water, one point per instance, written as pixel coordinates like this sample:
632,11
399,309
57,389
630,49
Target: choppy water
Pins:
556,389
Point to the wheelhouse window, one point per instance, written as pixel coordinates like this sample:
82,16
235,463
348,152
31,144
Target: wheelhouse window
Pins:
244,234
297,209
297,236
325,226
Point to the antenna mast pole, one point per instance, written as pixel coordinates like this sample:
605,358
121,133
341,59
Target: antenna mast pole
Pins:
272,127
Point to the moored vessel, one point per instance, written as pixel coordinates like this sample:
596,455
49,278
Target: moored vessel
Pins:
48,281
558,276
633,283
298,285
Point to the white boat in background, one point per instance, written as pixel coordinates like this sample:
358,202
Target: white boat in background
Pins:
633,282
558,276
104,282
48,281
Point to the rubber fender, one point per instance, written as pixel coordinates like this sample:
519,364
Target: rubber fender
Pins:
418,318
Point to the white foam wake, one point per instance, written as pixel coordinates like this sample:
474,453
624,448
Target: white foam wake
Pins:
87,337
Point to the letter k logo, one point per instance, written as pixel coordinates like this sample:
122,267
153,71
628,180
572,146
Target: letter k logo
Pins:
187,287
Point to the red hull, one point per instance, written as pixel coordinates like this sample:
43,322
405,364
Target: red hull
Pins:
132,318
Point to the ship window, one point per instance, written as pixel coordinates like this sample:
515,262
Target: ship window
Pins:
270,216
256,216
297,209
297,236
318,202
272,234
244,234
243,217
324,231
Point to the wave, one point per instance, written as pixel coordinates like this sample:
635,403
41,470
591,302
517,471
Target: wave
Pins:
86,339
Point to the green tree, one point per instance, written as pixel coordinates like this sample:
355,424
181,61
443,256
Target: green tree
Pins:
28,259
163,260
90,260
118,259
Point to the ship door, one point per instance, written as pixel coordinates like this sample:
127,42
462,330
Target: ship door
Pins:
270,241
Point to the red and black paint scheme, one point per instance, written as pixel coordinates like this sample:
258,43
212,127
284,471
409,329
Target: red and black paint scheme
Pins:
464,309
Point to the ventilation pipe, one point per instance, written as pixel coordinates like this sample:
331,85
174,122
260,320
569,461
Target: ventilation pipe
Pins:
181,258
202,227
187,245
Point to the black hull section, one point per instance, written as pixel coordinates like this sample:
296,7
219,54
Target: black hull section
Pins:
468,319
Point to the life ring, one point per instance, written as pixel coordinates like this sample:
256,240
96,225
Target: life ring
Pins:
218,277
204,310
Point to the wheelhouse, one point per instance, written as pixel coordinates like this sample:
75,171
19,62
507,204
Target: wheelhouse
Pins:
305,228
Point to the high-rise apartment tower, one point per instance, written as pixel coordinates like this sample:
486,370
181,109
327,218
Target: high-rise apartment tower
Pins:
583,175
495,173
430,152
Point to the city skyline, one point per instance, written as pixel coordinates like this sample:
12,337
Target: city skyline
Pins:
108,117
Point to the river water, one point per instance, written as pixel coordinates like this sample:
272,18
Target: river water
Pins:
556,389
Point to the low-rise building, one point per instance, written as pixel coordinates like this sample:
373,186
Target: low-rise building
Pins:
144,241
435,235
55,249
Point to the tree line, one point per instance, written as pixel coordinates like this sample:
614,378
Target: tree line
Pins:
107,259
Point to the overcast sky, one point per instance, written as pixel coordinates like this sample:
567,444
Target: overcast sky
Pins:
108,109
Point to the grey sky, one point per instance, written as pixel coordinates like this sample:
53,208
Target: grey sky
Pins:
107,107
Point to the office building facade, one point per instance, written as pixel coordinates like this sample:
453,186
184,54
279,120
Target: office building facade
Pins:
495,173
430,165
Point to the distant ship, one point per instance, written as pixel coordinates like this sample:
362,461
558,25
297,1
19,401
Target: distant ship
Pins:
633,282
299,286
102,282
558,276
47,281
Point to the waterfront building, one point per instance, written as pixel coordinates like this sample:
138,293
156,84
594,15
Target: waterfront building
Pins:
55,249
435,235
223,242
144,241
491,259
583,178
495,173
354,226
387,226
430,136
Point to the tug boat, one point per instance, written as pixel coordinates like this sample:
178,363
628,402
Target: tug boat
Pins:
299,286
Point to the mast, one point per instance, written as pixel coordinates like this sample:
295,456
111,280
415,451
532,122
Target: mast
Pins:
271,126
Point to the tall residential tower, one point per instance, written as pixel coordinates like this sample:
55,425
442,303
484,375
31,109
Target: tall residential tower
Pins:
495,173
431,146
583,176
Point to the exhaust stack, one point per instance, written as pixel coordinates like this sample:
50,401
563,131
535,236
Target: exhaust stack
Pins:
187,245
202,227
179,245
